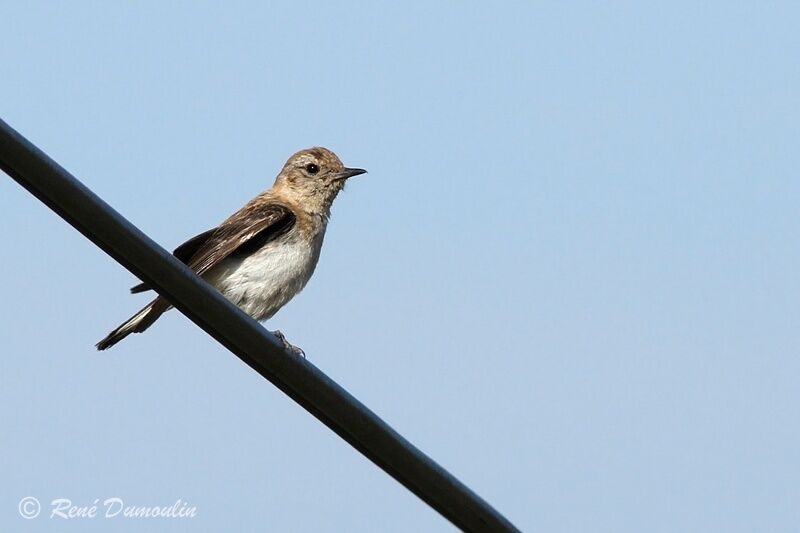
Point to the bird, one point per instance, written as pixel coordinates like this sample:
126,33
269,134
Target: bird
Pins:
261,256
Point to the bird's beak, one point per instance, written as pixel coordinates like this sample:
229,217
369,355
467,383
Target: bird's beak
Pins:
349,173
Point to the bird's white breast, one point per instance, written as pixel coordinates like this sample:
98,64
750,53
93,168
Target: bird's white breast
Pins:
264,281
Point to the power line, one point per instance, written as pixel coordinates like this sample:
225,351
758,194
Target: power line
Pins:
248,340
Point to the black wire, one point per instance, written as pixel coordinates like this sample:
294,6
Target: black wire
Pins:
243,336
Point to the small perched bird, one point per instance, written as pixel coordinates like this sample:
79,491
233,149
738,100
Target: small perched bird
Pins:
265,253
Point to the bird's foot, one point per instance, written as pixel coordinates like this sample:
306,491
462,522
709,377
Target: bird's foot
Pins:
288,345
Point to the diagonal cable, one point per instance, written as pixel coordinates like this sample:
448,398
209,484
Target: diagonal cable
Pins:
206,307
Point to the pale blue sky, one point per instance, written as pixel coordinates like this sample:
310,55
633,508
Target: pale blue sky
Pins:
570,276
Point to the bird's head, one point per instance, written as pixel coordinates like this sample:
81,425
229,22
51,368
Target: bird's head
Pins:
312,178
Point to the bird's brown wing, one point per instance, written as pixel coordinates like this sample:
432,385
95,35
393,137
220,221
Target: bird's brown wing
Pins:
248,229
251,227
184,252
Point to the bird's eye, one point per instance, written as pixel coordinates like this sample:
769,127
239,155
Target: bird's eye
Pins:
311,168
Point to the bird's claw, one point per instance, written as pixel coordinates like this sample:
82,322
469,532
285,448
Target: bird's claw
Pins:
291,348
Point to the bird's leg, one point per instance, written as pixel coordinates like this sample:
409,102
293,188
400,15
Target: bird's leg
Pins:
289,346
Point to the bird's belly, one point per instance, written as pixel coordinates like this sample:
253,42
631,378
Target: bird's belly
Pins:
263,282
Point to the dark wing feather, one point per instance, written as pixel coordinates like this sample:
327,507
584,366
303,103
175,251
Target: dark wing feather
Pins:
250,228
255,223
184,252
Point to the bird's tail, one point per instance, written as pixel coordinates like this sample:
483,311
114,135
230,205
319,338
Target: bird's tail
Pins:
135,324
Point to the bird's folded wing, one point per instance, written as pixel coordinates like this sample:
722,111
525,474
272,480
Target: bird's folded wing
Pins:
251,227
260,223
